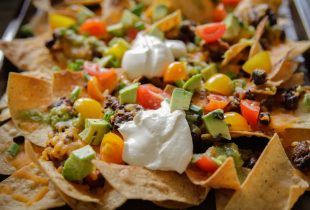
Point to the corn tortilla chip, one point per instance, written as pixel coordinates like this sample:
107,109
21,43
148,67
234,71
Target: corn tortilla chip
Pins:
224,177
112,10
255,48
236,134
222,197
235,50
199,11
4,101
22,97
172,204
7,132
28,188
71,79
5,115
75,195
136,182
29,54
111,200
271,184
296,79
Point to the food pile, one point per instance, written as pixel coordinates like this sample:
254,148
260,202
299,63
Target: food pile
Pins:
159,101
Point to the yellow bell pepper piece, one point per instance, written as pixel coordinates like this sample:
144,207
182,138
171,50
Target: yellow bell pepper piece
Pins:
60,21
259,61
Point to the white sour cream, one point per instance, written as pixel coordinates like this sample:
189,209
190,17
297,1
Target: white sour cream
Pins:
158,140
148,57
177,47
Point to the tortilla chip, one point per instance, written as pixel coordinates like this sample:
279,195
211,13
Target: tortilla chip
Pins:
29,54
4,101
284,71
294,48
112,10
289,135
71,79
224,177
222,197
295,80
27,93
271,184
255,48
44,5
136,182
7,132
28,188
84,2
172,204
235,50
5,115
75,194
274,4
199,11
110,200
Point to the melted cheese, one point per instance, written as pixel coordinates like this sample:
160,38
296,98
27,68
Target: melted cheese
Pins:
23,174
38,196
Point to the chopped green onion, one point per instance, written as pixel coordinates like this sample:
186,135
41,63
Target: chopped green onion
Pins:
13,149
140,25
77,65
137,9
108,114
195,109
179,83
75,93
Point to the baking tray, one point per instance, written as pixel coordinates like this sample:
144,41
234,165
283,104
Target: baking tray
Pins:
297,10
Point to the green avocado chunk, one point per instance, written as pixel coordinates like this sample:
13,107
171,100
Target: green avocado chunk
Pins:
128,95
94,131
180,100
232,27
79,165
116,29
193,83
129,19
216,125
208,71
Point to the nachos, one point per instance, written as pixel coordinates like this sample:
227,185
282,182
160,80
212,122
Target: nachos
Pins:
159,101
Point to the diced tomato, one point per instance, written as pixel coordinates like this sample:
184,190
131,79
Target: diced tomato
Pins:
93,89
216,102
92,69
211,32
108,80
149,96
111,148
219,13
94,27
250,110
132,33
206,164
230,2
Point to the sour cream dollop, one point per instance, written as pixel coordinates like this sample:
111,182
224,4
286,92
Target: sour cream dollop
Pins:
177,47
158,140
148,57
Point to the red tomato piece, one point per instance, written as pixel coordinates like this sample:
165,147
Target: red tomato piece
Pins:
211,32
219,13
132,33
92,69
206,164
231,2
94,27
216,102
250,110
149,96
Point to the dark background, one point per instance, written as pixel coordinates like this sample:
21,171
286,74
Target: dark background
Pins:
8,9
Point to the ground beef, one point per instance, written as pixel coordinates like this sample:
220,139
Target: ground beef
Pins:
216,50
301,155
122,113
